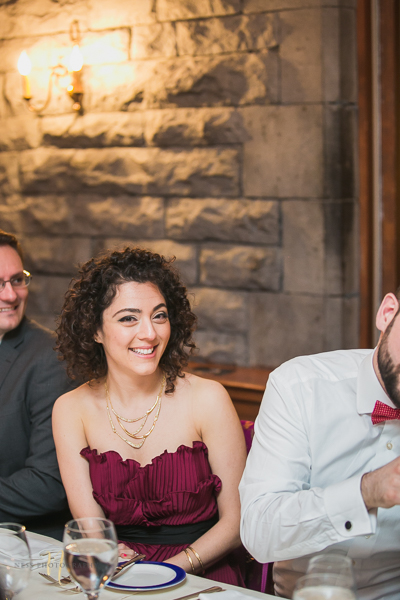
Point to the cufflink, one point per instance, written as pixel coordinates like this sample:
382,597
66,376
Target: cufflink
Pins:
348,525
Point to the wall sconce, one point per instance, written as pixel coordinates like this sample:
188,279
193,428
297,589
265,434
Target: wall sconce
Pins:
75,64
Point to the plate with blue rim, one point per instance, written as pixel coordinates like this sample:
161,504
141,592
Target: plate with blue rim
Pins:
148,576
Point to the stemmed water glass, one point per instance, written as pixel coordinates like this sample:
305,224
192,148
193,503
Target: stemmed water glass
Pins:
91,553
15,559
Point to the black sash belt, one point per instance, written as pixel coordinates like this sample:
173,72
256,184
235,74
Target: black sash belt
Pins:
165,534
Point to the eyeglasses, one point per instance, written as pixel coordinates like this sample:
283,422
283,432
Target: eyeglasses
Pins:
21,280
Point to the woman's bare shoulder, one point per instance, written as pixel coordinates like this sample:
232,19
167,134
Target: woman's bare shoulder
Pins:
201,384
213,410
80,397
207,392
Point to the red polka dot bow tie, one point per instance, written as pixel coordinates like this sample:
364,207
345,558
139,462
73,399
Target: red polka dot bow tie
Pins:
383,412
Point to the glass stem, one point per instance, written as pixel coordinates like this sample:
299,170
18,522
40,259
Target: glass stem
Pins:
92,595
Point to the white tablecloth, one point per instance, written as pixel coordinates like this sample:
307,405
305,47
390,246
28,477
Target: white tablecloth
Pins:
39,589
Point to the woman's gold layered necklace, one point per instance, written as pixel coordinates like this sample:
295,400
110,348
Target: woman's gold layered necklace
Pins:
120,419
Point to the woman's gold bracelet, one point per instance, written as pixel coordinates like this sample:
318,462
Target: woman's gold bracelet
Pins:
198,558
189,559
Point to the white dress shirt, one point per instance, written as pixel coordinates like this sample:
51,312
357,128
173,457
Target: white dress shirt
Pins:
313,441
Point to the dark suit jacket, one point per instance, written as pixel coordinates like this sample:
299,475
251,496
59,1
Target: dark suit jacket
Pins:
31,379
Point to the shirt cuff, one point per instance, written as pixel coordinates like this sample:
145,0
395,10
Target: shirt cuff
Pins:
346,509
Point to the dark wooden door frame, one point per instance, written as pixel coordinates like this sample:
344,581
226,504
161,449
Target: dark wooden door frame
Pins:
365,137
389,60
388,118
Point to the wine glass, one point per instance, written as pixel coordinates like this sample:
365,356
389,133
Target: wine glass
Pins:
324,586
91,553
15,559
333,563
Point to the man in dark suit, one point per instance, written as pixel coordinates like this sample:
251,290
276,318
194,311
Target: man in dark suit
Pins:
31,379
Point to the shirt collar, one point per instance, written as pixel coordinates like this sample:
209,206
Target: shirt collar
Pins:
369,390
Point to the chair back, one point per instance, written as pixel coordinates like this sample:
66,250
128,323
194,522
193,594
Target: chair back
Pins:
256,573
248,430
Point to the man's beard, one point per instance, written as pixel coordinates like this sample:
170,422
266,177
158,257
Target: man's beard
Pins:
390,373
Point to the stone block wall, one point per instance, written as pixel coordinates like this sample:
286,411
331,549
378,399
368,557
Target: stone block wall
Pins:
219,131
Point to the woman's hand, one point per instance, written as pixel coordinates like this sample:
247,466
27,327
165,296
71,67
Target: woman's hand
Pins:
125,552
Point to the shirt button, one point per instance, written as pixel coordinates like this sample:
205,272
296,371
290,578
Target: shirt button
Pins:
389,445
348,525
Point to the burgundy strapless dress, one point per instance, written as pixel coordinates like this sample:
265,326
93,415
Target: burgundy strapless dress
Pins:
176,488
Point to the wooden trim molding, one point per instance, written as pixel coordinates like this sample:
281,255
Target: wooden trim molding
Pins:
365,142
386,115
389,65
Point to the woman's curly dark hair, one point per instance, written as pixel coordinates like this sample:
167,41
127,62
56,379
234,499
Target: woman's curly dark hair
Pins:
94,291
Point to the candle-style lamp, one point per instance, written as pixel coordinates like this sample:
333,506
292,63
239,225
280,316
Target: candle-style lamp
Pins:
75,89
24,67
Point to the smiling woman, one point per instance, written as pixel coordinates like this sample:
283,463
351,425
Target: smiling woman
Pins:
102,281
134,337
157,450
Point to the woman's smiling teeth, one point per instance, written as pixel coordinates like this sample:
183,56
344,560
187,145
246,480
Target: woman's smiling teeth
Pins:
143,350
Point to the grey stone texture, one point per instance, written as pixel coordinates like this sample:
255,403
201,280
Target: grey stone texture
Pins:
227,80
19,133
46,297
301,56
350,252
185,254
334,322
258,6
220,310
41,17
9,174
339,56
240,267
226,348
93,130
318,253
303,246
340,125
107,14
211,171
212,81
283,326
312,75
350,325
251,221
171,10
84,214
58,255
227,34
219,132
3,105
284,157
194,127
153,41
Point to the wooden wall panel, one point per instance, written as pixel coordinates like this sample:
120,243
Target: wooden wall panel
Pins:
387,116
389,63
365,129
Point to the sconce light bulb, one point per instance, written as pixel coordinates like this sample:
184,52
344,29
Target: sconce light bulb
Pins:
24,64
76,59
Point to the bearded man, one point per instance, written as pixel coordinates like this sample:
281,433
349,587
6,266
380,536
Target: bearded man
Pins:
31,379
323,474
